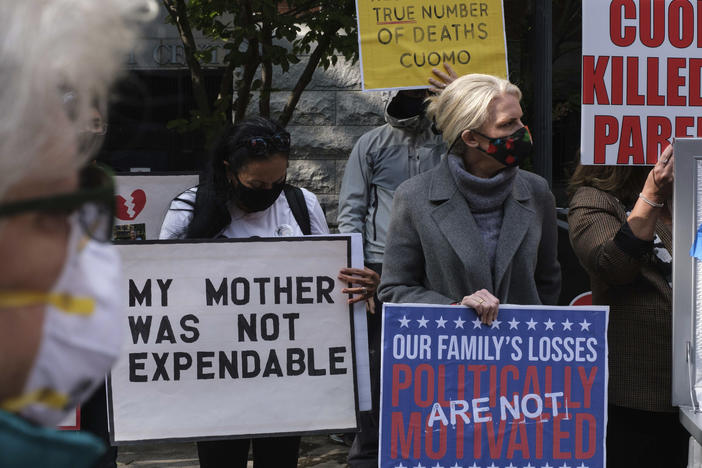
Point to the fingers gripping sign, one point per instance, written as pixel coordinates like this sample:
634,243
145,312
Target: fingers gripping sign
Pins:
485,305
362,283
441,80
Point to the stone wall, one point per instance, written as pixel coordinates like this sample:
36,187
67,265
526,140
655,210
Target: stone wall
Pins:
332,113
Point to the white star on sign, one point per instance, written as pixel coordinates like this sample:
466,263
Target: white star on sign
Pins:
564,463
496,324
566,325
492,465
582,465
531,324
400,466
528,465
404,321
510,466
422,322
440,323
419,465
437,465
584,325
456,465
459,323
513,324
549,324
476,323
547,466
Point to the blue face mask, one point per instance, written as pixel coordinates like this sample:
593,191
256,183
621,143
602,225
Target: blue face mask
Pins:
509,150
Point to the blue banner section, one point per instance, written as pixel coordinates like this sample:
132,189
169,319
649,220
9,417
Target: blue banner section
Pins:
529,391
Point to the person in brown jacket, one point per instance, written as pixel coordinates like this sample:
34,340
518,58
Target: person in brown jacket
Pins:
620,228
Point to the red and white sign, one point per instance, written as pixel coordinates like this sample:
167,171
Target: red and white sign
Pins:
584,299
641,78
143,199
71,422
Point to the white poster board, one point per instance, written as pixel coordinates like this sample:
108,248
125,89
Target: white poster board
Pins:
687,284
234,338
142,201
641,79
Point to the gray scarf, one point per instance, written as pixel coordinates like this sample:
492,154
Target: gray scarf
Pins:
485,198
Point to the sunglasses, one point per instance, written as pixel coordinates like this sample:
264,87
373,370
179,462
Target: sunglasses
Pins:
260,145
93,203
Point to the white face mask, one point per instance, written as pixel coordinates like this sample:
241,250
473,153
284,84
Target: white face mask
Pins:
81,336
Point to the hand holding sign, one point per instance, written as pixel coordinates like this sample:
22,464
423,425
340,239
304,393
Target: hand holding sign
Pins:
660,179
366,278
485,304
444,79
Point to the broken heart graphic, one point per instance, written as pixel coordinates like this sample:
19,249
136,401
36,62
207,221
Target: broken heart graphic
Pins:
128,210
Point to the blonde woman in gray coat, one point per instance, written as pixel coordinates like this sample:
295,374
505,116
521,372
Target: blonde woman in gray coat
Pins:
476,230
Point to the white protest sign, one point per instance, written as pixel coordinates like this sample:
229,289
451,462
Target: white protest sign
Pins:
142,201
234,338
640,78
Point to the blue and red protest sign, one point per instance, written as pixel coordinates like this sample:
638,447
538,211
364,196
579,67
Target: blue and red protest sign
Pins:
529,391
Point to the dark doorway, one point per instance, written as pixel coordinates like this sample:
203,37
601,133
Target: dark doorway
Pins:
138,137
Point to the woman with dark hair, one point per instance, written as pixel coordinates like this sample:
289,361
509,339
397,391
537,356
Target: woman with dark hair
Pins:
243,193
620,228
239,193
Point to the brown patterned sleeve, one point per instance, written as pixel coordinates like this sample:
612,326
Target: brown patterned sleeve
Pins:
594,219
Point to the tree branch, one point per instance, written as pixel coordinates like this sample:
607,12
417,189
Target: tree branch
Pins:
251,63
178,13
302,82
264,103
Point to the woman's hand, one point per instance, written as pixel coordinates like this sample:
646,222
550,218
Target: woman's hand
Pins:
659,183
444,79
655,193
367,281
485,304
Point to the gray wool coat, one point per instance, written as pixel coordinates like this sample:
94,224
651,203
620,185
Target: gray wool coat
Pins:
435,254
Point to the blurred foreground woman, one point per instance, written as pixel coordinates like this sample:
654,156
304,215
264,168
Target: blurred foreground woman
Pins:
59,307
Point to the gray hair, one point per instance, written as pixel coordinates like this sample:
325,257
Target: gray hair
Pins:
57,60
464,104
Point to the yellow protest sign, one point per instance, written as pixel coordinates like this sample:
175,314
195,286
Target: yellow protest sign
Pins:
402,40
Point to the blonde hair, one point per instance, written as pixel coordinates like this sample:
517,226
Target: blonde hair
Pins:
57,60
463,104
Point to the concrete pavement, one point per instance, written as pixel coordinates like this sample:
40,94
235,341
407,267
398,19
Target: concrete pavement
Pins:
315,451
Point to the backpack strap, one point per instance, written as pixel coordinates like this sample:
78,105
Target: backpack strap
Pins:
298,206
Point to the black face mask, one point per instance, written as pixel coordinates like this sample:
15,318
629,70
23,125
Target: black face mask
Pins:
252,200
405,107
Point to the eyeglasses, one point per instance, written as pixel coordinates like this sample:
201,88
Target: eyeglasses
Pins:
94,203
261,145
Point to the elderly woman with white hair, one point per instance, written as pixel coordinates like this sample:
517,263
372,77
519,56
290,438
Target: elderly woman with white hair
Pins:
475,230
59,307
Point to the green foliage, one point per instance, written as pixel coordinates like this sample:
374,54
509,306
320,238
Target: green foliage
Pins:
259,35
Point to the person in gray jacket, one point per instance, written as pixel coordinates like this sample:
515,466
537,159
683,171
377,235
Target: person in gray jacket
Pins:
381,160
476,230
